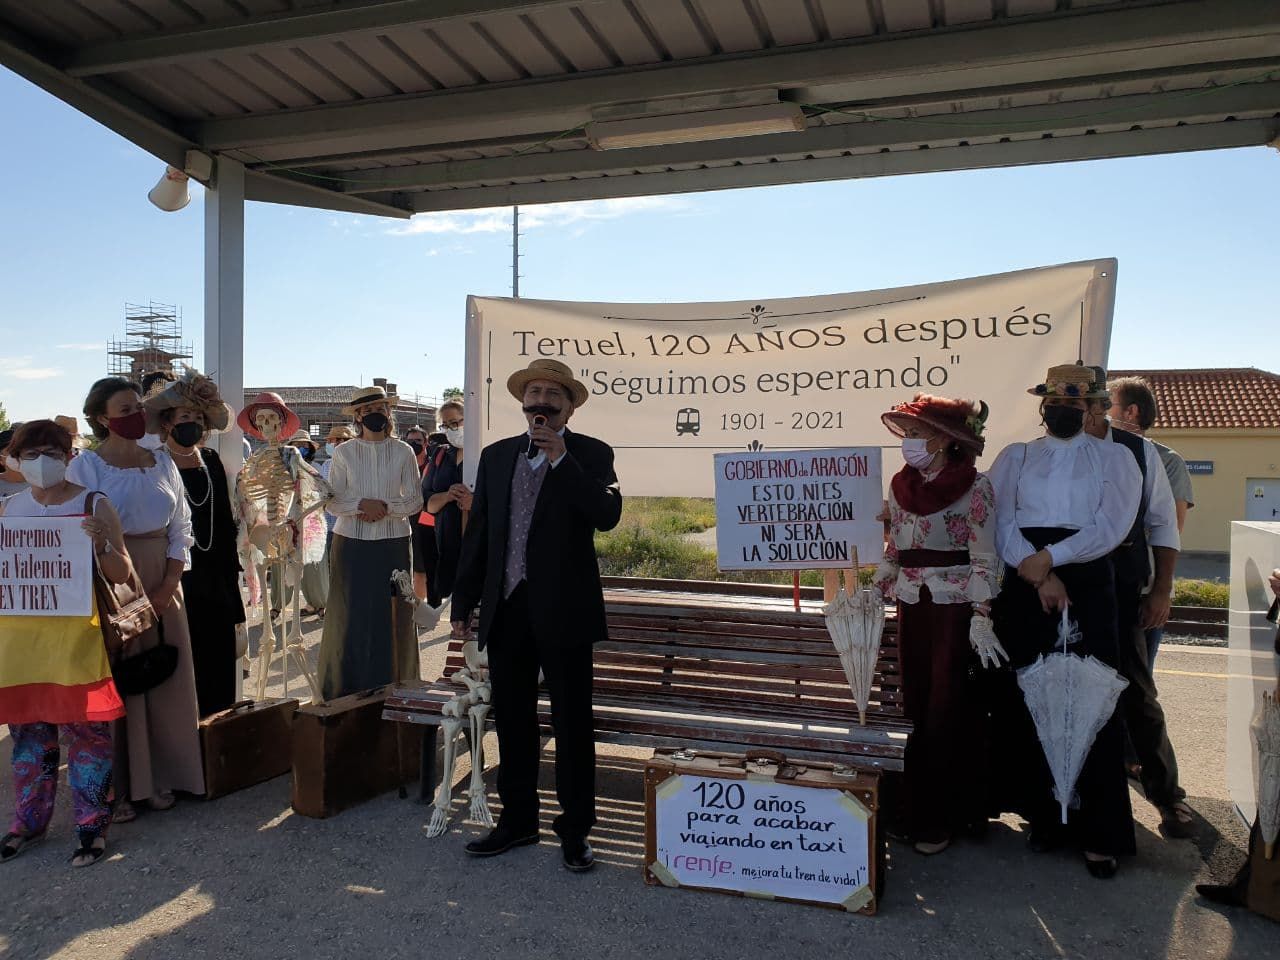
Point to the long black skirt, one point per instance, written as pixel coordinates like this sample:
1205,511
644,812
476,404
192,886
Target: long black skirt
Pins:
1103,823
356,648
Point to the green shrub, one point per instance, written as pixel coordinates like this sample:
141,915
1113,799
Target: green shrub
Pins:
1201,593
634,551
669,514
638,552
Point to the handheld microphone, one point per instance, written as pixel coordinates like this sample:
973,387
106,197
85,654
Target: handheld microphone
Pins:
538,421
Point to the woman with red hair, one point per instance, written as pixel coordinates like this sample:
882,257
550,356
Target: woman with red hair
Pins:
940,566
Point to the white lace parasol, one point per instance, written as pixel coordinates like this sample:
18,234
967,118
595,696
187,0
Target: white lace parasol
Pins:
1070,698
1266,734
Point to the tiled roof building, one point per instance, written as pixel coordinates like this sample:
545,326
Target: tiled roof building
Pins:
319,408
1226,425
1230,398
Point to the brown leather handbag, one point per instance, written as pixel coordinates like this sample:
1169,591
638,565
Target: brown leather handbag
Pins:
124,612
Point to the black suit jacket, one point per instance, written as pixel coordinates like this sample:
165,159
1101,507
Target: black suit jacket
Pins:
578,497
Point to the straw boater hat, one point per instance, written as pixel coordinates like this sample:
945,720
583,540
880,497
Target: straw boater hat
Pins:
193,391
363,395
552,370
961,420
303,437
290,424
339,431
1075,381
70,425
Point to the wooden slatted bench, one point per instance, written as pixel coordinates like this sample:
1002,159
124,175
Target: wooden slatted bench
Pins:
691,665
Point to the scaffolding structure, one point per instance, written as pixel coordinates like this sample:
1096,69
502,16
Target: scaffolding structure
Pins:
153,341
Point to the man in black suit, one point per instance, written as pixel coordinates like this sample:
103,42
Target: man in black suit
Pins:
529,560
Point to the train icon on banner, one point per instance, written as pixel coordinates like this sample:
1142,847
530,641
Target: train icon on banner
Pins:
688,420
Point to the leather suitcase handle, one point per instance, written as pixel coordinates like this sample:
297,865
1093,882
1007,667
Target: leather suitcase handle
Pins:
231,710
775,757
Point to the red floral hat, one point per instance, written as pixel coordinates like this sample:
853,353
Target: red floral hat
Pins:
962,420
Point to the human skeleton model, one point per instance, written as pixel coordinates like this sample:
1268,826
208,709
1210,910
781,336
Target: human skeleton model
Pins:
468,707
277,491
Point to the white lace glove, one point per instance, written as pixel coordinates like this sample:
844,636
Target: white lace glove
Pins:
983,640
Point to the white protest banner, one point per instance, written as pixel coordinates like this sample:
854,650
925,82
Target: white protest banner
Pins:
798,509
672,384
763,838
46,567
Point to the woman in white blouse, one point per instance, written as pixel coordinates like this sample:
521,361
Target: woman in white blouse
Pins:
941,568
158,742
376,489
1064,502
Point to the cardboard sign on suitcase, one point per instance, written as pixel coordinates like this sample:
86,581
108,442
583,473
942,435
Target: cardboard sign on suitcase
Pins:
762,826
344,753
246,744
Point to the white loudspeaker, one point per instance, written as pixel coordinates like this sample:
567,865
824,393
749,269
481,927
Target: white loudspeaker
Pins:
171,193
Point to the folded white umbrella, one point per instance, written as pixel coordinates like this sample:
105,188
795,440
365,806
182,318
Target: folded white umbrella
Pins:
856,622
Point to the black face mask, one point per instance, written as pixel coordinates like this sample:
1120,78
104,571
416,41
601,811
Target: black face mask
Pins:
1063,422
416,447
374,422
186,434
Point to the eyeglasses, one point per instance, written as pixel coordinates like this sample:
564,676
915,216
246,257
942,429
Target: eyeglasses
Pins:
452,424
47,451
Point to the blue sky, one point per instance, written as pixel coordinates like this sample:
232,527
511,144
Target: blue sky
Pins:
336,298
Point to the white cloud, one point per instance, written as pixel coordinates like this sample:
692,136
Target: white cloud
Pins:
20,368
82,346
498,219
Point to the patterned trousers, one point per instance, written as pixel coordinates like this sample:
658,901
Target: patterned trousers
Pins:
36,756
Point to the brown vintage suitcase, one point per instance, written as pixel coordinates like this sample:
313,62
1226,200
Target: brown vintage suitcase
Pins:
759,825
344,753
246,744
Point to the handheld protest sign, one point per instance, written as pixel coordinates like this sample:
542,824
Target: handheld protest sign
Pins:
46,567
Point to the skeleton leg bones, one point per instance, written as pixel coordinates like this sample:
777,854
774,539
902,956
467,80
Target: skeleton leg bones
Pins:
439,822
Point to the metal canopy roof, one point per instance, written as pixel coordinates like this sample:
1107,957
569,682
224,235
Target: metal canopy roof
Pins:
400,106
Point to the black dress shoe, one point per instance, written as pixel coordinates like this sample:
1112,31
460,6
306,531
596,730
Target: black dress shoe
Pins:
1102,869
1219,893
500,840
578,855
1044,839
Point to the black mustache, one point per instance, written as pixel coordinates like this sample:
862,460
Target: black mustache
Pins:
543,408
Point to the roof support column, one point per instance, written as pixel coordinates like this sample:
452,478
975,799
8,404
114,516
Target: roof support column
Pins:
224,297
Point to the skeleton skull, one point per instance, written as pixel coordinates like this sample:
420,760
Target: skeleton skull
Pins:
267,421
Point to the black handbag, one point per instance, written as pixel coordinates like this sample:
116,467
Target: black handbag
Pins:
147,669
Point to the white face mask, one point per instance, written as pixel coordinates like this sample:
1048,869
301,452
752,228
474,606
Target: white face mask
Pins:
44,471
454,437
916,452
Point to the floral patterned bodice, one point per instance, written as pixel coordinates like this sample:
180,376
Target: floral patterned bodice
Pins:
968,524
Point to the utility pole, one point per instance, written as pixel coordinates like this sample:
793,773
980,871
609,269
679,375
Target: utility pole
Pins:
515,252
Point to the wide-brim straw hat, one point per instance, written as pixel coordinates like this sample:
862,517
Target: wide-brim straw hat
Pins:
289,422
552,370
1073,381
339,431
301,436
962,420
193,391
72,426
362,395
